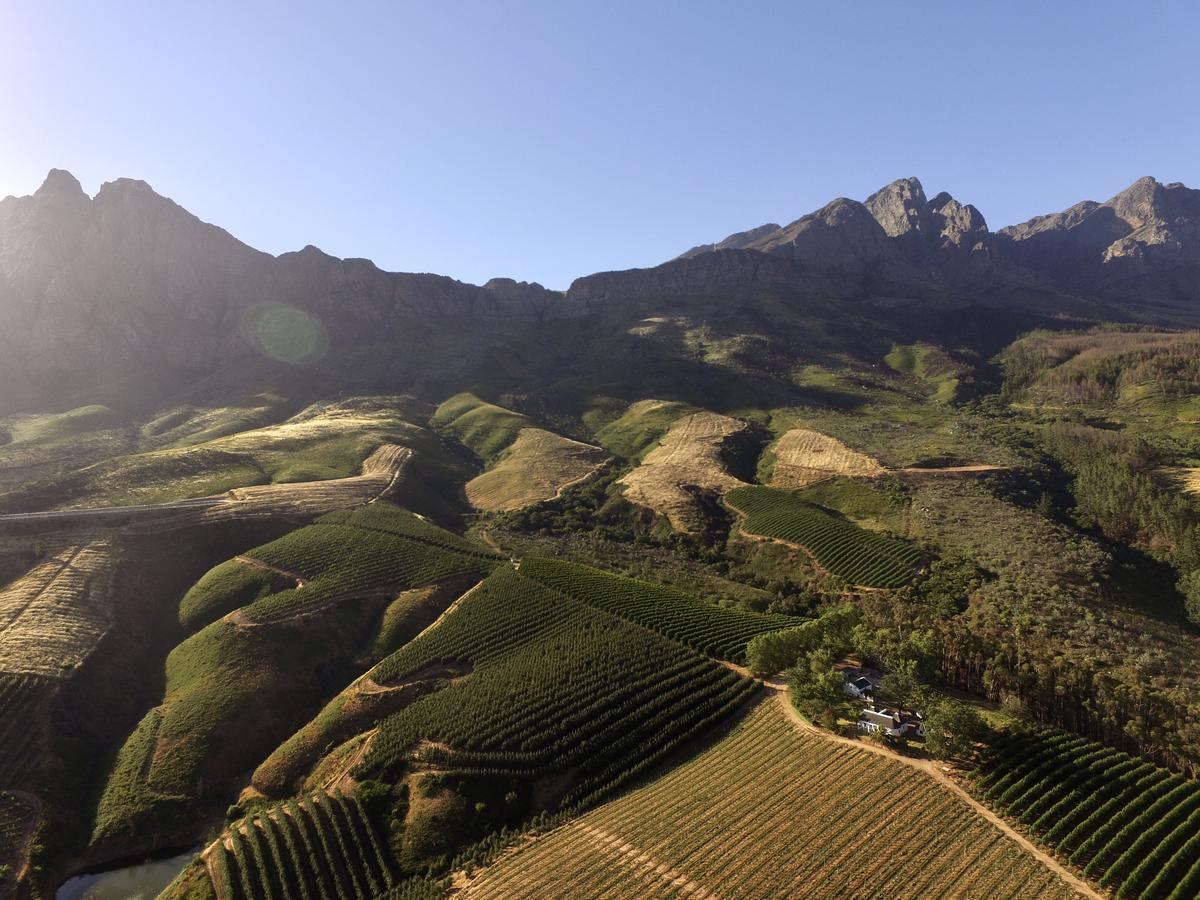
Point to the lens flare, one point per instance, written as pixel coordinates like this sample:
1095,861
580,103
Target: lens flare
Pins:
286,333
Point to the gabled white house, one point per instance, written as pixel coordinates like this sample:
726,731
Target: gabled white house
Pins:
893,722
860,682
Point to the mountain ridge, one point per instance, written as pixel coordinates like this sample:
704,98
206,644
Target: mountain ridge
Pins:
129,284
1147,231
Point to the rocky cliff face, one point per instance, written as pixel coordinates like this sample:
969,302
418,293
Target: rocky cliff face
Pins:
1144,243
715,272
98,287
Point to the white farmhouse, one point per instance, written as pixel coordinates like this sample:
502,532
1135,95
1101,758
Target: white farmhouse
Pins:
893,722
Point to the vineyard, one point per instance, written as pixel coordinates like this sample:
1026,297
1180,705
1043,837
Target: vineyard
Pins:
716,631
373,550
859,556
555,686
1131,826
322,847
768,812
21,699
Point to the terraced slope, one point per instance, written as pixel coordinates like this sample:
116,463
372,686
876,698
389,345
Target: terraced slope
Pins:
320,846
803,457
52,617
769,812
688,458
373,550
536,466
18,816
853,553
22,699
238,686
1132,826
555,686
717,631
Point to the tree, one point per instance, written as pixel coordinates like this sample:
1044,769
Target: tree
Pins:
816,688
1189,586
901,685
952,728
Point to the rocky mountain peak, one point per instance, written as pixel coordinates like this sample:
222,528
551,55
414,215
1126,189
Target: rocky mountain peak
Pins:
958,225
60,183
900,207
1140,203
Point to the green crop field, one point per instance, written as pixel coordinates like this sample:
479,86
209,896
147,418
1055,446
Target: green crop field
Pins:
555,686
373,549
1130,825
219,681
770,812
320,847
716,631
853,553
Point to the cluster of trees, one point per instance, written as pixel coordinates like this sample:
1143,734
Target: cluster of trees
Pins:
1116,493
590,507
1097,365
809,652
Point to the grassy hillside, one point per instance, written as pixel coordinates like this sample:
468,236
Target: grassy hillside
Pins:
636,432
484,427
281,637
520,701
717,631
323,441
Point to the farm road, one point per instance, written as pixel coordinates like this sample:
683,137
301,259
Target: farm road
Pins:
935,771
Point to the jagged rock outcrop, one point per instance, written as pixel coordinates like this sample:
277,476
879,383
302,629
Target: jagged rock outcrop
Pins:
842,240
1144,242
958,226
1142,245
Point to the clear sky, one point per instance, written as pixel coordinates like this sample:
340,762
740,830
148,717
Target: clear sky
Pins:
546,140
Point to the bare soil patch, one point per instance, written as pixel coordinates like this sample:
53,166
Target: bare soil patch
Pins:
539,465
804,457
689,456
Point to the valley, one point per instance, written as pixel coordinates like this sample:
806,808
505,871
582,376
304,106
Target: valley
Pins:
851,556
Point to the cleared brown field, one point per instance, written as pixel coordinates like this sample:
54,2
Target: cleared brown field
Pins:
689,455
772,812
382,471
51,618
804,457
535,467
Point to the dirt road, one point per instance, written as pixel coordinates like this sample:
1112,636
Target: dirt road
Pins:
935,771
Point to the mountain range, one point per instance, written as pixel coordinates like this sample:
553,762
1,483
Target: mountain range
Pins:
96,291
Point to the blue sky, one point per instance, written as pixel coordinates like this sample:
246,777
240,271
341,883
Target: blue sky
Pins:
546,140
